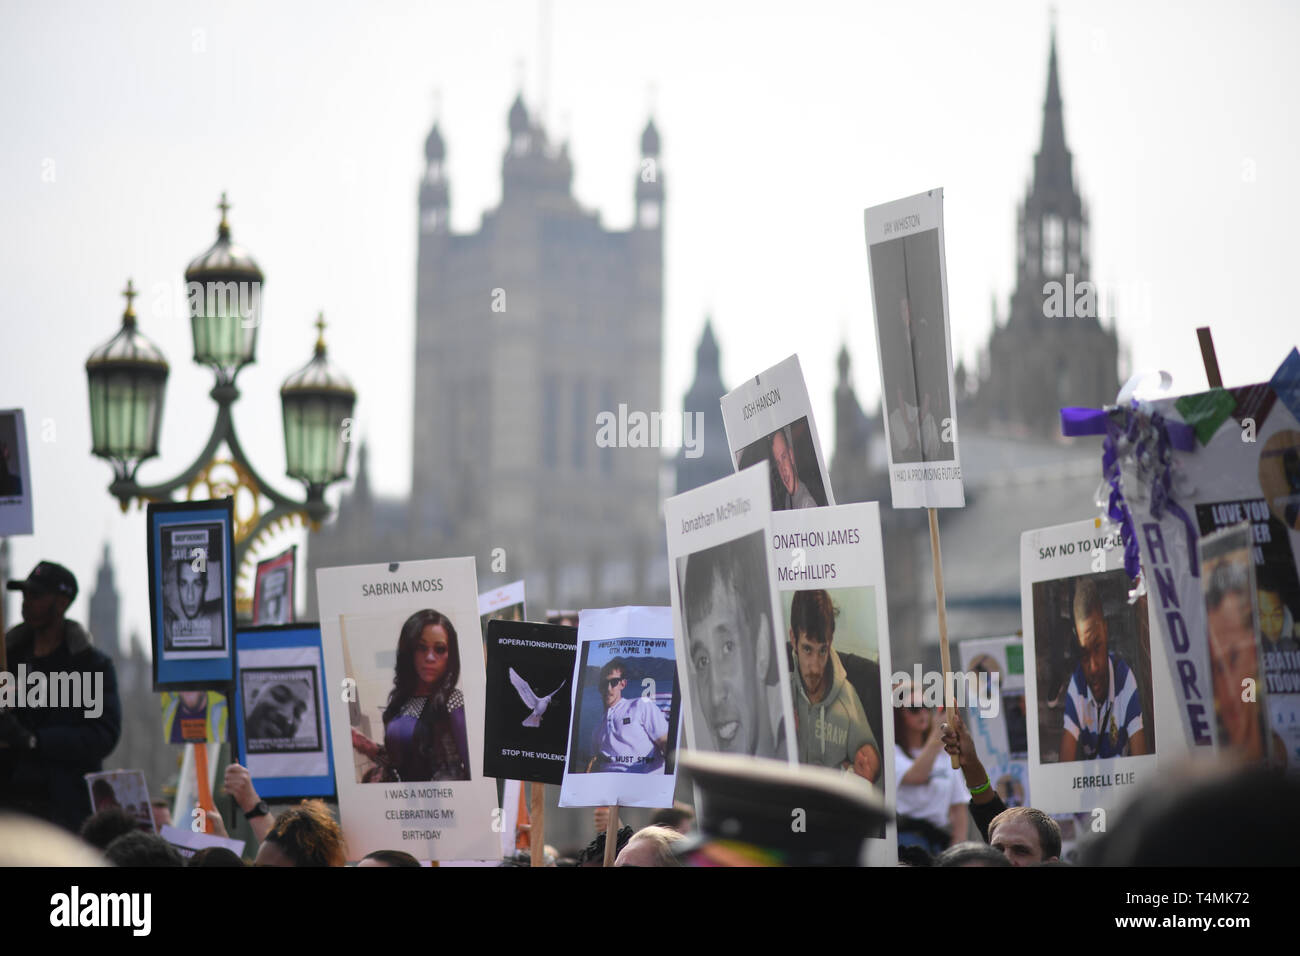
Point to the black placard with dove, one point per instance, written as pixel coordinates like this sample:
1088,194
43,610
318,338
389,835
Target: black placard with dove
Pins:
528,699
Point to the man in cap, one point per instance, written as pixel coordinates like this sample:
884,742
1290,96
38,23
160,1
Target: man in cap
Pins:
66,717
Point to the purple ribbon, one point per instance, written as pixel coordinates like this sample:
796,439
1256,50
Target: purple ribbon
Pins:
1126,423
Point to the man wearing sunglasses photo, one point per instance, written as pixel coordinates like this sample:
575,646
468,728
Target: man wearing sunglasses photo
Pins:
633,737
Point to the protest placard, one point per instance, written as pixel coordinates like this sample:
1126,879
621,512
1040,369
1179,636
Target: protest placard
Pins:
731,657
398,640
909,286
15,475
769,419
282,729
273,588
831,574
626,710
191,593
1092,723
528,695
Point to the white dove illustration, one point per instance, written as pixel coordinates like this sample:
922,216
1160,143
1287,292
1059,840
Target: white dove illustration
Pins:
530,699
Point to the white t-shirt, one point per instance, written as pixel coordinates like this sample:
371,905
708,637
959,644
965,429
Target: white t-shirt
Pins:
625,741
932,799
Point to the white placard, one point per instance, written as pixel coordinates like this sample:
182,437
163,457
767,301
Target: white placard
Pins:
626,713
830,569
15,475
497,598
769,419
187,842
731,655
371,617
283,693
909,287
1088,671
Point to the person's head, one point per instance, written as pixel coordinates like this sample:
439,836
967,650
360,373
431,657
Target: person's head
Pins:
912,719
971,854
1025,836
47,593
214,856
28,841
191,586
1247,812
277,710
102,795
305,835
812,629
1233,657
142,849
652,846
389,858
1272,613
162,813
783,455
729,641
613,678
428,660
105,826
679,817
593,854
193,701
1090,633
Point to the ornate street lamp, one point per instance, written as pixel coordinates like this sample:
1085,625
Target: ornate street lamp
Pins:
128,374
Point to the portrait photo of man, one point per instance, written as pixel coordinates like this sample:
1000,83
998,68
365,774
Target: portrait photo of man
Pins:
271,603
1103,706
1244,727
831,723
280,706
193,606
797,494
633,736
793,469
194,620
193,716
730,652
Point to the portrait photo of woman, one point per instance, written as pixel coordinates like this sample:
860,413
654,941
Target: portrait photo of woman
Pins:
424,720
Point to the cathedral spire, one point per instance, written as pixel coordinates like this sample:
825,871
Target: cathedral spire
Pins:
1053,161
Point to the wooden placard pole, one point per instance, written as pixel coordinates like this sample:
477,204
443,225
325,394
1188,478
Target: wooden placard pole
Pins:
945,655
537,824
611,836
204,788
1209,357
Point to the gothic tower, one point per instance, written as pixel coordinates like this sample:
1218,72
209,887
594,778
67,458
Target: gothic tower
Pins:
1052,350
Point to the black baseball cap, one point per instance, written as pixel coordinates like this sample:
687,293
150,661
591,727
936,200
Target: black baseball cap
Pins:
48,578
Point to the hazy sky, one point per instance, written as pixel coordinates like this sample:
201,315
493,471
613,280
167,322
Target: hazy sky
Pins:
123,122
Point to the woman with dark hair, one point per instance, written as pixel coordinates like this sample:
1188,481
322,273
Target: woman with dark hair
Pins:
932,797
424,722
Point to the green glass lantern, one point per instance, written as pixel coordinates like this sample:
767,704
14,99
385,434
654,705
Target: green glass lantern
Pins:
127,377
223,288
318,401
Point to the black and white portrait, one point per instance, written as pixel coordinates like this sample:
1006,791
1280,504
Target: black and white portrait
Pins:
281,706
730,653
192,577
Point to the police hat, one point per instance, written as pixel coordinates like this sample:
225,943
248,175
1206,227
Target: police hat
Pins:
757,812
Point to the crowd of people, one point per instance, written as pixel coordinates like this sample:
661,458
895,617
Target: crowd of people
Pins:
1240,816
